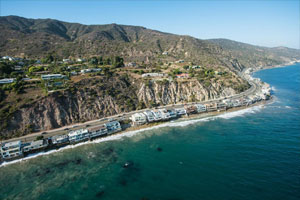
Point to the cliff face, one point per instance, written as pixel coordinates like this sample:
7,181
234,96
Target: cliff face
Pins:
95,98
183,91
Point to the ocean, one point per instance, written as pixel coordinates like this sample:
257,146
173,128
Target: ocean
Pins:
247,154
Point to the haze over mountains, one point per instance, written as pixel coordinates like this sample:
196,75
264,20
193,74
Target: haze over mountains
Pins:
36,38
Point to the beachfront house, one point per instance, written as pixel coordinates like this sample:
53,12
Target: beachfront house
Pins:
200,108
172,113
78,135
138,119
157,115
11,150
191,109
180,111
221,106
113,126
97,131
60,139
53,76
211,107
35,145
149,115
228,103
165,115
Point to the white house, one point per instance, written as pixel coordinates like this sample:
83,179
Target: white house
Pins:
11,150
139,119
52,76
34,145
78,135
180,111
113,126
165,115
84,71
153,75
60,139
149,115
7,80
200,108
66,60
17,68
173,113
157,115
97,131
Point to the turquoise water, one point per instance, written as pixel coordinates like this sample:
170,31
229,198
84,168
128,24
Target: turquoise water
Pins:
252,154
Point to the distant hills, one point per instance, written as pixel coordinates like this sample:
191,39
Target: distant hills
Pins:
36,38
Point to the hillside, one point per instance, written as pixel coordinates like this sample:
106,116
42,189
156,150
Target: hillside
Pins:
35,38
94,97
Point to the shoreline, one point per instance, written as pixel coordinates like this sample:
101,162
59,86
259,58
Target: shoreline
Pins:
132,131
33,135
136,129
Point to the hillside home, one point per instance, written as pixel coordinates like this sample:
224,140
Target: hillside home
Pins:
7,80
153,75
53,76
183,75
131,64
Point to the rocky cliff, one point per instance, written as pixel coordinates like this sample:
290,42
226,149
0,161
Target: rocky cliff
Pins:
97,97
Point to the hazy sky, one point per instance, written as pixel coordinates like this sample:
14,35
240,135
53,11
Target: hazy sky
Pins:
267,23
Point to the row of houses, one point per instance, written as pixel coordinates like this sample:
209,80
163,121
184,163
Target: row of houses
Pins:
149,116
156,115
16,149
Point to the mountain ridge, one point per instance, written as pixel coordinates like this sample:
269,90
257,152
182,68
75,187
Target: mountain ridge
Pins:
35,38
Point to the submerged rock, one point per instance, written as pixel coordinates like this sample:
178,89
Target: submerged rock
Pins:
159,149
100,193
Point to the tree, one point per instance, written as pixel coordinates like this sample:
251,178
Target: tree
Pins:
107,61
94,61
5,68
118,62
186,67
100,60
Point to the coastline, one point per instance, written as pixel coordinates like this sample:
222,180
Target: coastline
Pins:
132,131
